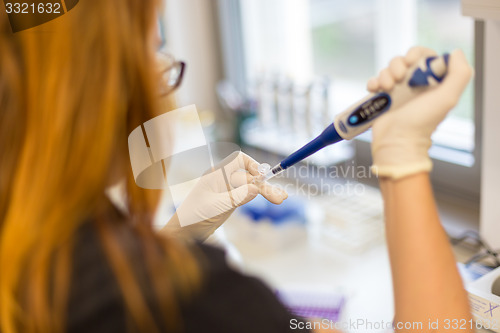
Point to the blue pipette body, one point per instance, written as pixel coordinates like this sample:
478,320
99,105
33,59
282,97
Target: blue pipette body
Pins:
359,118
327,137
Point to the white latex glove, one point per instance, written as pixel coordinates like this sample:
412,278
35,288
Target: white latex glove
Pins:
217,194
402,137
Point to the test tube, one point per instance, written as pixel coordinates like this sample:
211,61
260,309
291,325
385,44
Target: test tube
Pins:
308,114
284,105
327,119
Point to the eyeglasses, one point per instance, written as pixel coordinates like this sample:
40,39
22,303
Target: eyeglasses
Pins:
172,72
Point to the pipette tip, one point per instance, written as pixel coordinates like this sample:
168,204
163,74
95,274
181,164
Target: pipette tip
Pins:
266,172
277,169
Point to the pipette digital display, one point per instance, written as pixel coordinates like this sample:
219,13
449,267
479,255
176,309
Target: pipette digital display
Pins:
357,119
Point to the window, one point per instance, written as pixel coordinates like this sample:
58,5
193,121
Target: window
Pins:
353,40
350,41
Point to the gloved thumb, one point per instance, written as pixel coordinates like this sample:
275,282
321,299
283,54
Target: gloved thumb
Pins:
243,194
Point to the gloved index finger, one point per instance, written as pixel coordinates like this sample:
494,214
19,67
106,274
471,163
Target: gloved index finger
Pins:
268,191
249,164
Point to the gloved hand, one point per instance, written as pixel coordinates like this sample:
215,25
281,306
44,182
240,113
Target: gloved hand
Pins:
217,194
402,137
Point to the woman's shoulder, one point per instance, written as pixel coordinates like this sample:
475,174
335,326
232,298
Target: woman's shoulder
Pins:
227,300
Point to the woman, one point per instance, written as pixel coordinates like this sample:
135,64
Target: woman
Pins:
71,91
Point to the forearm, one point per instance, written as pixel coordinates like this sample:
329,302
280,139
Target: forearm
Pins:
172,228
427,285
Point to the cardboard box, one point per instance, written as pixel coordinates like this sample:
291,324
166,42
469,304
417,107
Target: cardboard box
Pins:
484,305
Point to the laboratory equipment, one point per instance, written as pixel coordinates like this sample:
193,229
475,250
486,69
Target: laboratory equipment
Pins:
310,302
325,96
283,102
424,75
347,226
484,301
266,228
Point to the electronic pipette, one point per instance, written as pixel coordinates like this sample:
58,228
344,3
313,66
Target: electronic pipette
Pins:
358,118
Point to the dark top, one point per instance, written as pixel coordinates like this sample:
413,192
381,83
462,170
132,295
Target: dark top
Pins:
228,301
